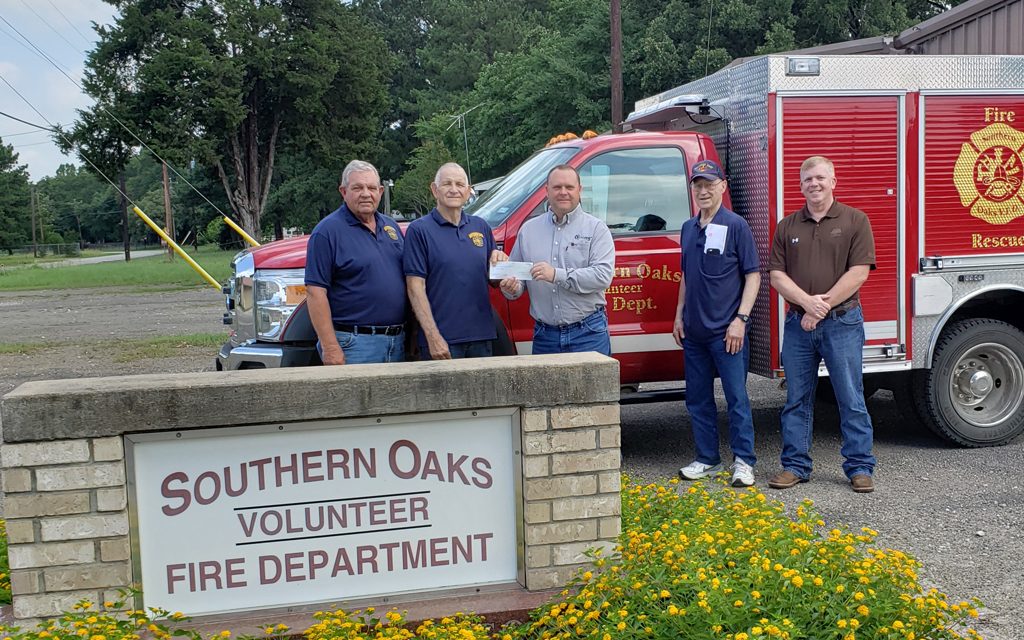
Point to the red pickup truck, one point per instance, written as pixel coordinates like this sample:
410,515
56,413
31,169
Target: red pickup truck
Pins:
930,147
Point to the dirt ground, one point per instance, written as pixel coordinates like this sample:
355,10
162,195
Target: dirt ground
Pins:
960,511
70,333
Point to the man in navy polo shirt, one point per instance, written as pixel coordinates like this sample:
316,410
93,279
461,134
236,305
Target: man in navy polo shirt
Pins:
721,275
447,257
354,282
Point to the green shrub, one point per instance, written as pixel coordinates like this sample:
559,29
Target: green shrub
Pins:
705,563
712,562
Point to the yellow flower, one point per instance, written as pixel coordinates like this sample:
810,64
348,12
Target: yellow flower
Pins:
742,636
841,623
798,581
621,626
225,634
863,610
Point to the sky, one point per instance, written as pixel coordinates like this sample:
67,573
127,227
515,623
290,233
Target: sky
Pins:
63,30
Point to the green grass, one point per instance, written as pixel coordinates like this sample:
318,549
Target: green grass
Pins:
23,348
5,569
19,259
155,271
165,346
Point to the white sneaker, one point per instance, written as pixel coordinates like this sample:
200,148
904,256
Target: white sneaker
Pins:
742,474
697,470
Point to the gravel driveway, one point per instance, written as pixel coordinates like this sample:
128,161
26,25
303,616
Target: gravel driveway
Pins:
960,511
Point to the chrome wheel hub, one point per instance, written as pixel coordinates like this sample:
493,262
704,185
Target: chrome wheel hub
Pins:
987,384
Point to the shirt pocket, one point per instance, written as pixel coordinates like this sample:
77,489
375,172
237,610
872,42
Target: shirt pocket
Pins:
715,264
576,255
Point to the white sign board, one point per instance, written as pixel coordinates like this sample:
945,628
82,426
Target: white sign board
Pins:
237,519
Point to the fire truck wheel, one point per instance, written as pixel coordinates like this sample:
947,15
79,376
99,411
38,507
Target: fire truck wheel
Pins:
974,393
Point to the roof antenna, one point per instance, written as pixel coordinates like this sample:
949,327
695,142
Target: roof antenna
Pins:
707,49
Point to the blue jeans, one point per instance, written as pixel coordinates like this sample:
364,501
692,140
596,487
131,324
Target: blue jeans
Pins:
589,334
702,360
474,349
365,348
840,342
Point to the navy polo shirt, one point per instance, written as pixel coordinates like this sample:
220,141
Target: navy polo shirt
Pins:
714,281
454,261
361,269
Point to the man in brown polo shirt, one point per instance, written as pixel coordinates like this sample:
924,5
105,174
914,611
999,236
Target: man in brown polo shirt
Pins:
821,255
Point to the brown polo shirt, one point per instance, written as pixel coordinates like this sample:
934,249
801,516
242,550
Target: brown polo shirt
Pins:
816,254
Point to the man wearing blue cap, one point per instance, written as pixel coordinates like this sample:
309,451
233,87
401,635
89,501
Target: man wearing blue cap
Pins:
721,276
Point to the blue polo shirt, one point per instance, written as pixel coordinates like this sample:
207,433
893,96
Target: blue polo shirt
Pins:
361,269
454,260
714,281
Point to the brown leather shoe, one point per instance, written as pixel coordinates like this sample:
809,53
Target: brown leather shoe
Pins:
785,480
862,483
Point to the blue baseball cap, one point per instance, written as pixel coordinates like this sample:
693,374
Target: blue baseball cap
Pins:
707,169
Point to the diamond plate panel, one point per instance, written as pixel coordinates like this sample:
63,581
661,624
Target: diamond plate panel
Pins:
926,328
743,92
862,73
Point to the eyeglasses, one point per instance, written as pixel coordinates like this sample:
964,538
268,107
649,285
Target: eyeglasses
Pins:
705,186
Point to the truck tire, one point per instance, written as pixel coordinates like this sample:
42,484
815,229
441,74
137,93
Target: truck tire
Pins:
973,395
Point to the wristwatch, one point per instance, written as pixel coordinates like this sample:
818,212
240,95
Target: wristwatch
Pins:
744,317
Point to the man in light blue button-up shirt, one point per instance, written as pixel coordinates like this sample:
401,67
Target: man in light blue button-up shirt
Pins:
573,260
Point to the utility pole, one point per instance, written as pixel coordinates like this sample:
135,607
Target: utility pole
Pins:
35,252
616,11
124,220
168,216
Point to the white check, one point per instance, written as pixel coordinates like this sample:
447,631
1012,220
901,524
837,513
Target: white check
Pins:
518,270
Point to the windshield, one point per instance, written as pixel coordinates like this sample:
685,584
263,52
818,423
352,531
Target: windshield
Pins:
498,202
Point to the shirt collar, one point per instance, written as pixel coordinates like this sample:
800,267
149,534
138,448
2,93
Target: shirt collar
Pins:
568,217
351,218
833,211
441,220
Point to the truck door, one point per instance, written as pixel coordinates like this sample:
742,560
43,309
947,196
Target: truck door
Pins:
641,194
863,136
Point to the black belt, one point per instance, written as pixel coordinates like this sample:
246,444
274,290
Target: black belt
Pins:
836,313
572,325
371,329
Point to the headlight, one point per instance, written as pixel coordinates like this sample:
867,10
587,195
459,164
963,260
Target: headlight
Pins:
277,294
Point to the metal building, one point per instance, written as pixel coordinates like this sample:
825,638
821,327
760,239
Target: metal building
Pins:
976,27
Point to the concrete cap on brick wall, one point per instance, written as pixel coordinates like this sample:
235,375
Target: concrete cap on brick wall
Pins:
100,407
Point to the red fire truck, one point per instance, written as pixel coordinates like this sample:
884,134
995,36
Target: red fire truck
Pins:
931,147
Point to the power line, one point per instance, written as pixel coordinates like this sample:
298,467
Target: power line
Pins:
51,28
37,50
14,39
31,144
66,139
115,119
70,24
31,124
23,133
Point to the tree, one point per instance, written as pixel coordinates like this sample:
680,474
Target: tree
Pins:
232,82
15,206
558,83
440,142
